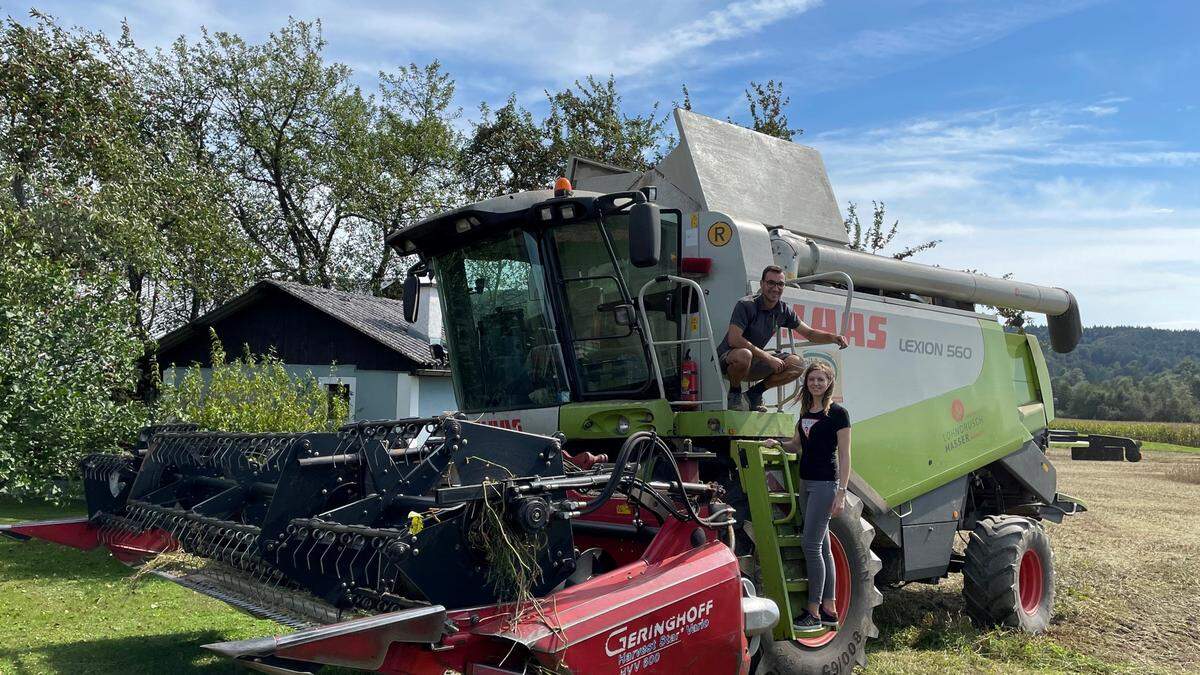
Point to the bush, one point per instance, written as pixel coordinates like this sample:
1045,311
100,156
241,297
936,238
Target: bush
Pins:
67,369
250,394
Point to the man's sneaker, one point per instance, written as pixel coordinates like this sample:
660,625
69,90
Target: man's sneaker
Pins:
829,619
807,624
736,401
755,396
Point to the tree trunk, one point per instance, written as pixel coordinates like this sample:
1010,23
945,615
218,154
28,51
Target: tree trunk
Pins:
18,189
147,364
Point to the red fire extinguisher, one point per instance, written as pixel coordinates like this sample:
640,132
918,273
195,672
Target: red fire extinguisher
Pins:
689,378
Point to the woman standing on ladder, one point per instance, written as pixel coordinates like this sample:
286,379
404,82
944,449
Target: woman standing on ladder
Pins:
823,442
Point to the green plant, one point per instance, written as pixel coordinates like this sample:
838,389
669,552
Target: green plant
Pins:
251,394
67,369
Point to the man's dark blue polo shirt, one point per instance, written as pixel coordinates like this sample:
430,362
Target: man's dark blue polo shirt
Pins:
758,323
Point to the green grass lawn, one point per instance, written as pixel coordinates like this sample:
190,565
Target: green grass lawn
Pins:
70,611
1169,447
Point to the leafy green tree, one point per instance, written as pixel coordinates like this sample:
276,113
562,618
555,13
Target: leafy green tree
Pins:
400,168
317,173
687,98
507,153
510,151
283,121
67,368
250,394
877,236
103,182
767,109
587,120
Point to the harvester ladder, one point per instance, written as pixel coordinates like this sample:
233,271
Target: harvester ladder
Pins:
840,277
778,524
706,335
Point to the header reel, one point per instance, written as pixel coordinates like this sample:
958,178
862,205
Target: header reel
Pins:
380,516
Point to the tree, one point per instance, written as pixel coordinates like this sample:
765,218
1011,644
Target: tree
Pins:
877,236
284,123
104,183
587,121
767,104
510,151
687,98
400,168
67,367
507,153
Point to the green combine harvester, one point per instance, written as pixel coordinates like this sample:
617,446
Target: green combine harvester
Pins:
590,313
594,506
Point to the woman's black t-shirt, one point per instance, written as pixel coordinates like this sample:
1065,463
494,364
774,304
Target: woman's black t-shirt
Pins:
818,439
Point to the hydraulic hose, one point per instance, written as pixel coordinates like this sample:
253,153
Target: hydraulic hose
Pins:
618,470
638,445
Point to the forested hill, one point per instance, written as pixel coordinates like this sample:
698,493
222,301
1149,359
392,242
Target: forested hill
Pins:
1127,372
1111,351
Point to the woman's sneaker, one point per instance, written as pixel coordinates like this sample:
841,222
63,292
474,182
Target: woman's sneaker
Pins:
829,619
807,624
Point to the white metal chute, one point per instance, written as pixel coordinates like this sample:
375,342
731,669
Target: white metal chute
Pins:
884,273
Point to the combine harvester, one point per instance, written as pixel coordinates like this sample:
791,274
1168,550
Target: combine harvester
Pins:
595,507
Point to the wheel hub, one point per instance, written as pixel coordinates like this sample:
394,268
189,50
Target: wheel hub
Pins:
1029,582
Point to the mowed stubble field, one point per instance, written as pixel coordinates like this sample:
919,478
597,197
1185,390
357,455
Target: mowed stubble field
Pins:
1128,586
1128,598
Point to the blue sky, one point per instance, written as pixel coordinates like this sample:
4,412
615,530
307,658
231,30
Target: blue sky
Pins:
1053,140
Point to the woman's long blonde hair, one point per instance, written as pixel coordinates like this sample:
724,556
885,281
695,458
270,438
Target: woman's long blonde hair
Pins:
806,397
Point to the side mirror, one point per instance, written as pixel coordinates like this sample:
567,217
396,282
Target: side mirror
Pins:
645,234
412,298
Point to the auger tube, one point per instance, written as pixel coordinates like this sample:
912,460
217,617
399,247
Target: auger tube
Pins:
886,273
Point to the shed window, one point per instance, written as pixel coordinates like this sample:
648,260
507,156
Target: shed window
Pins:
339,388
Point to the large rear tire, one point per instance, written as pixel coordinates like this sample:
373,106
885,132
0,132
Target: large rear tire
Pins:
1008,578
857,597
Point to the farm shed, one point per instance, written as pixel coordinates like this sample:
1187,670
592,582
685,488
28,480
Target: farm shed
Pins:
385,366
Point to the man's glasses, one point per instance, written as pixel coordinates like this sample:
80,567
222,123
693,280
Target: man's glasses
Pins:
772,283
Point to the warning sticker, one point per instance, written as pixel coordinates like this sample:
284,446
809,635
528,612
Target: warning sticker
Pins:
720,233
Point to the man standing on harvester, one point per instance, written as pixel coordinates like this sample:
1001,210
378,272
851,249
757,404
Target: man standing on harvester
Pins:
755,320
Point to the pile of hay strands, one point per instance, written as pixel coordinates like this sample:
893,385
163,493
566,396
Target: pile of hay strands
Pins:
174,560
511,554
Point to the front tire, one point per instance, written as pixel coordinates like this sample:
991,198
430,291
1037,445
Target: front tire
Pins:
1008,578
857,597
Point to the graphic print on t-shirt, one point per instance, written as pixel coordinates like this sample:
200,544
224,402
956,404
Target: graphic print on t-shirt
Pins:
807,424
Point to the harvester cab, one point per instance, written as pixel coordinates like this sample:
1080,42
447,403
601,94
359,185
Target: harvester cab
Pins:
594,505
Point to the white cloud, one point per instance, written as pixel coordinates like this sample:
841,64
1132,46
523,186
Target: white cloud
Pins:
1102,110
542,41
921,229
877,51
1041,193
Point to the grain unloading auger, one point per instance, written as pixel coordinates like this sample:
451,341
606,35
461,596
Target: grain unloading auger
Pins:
584,322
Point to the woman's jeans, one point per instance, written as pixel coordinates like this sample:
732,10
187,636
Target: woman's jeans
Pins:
817,551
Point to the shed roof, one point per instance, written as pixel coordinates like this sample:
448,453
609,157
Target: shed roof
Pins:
381,319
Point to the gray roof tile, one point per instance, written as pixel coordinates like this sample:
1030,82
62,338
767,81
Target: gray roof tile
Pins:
381,319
